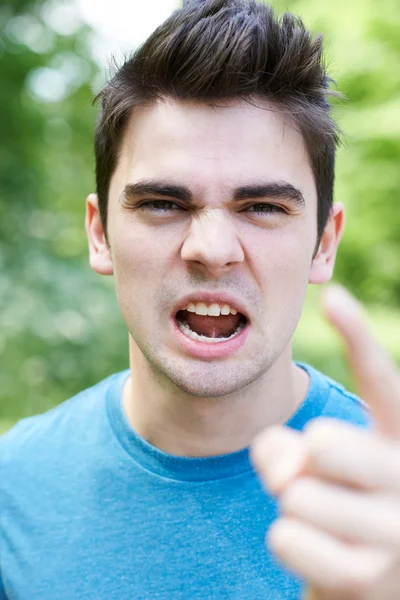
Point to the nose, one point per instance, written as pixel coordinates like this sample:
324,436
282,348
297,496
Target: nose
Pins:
212,243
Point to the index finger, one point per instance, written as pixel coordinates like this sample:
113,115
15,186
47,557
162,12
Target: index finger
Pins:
376,376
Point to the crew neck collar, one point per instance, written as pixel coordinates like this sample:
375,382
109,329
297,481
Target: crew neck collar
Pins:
206,468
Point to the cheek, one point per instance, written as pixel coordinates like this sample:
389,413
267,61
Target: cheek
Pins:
284,254
135,272
133,264
281,262
282,272
135,250
142,260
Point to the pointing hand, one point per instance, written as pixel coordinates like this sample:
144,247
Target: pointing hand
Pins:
339,485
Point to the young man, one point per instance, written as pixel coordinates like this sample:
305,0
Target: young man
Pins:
215,165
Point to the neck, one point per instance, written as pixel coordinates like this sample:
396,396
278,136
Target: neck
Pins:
184,425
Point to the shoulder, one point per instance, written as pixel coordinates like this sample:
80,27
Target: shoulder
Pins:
333,400
41,434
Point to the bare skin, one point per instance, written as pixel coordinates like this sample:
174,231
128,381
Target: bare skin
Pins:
260,251
190,427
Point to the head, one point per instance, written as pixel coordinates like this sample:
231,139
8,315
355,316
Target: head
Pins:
216,50
215,153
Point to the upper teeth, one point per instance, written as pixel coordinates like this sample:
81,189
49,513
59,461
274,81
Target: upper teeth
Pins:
214,310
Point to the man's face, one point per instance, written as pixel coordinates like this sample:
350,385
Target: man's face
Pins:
211,209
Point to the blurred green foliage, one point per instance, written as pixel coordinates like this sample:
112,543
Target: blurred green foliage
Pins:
60,329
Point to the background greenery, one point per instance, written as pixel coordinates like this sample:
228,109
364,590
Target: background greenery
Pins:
60,329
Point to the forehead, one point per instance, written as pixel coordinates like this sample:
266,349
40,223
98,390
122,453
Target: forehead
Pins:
205,145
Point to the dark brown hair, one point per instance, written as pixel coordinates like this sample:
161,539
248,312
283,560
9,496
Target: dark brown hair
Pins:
215,50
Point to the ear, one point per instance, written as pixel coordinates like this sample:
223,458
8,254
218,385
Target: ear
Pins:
99,250
324,261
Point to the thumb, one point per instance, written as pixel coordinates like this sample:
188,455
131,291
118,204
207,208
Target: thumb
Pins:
375,375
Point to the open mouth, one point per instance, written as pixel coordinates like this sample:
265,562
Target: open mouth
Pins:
210,324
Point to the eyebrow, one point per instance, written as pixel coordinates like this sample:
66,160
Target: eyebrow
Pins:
274,189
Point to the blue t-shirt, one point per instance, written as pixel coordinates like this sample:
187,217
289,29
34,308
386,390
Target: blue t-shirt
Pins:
91,511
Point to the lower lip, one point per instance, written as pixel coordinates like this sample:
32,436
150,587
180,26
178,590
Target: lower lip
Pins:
210,351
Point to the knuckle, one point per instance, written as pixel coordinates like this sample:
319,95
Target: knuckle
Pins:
298,493
275,535
354,584
321,432
366,572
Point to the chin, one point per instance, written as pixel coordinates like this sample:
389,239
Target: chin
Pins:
206,379
214,381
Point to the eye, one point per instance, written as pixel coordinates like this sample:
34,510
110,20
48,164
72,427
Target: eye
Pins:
160,205
262,208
